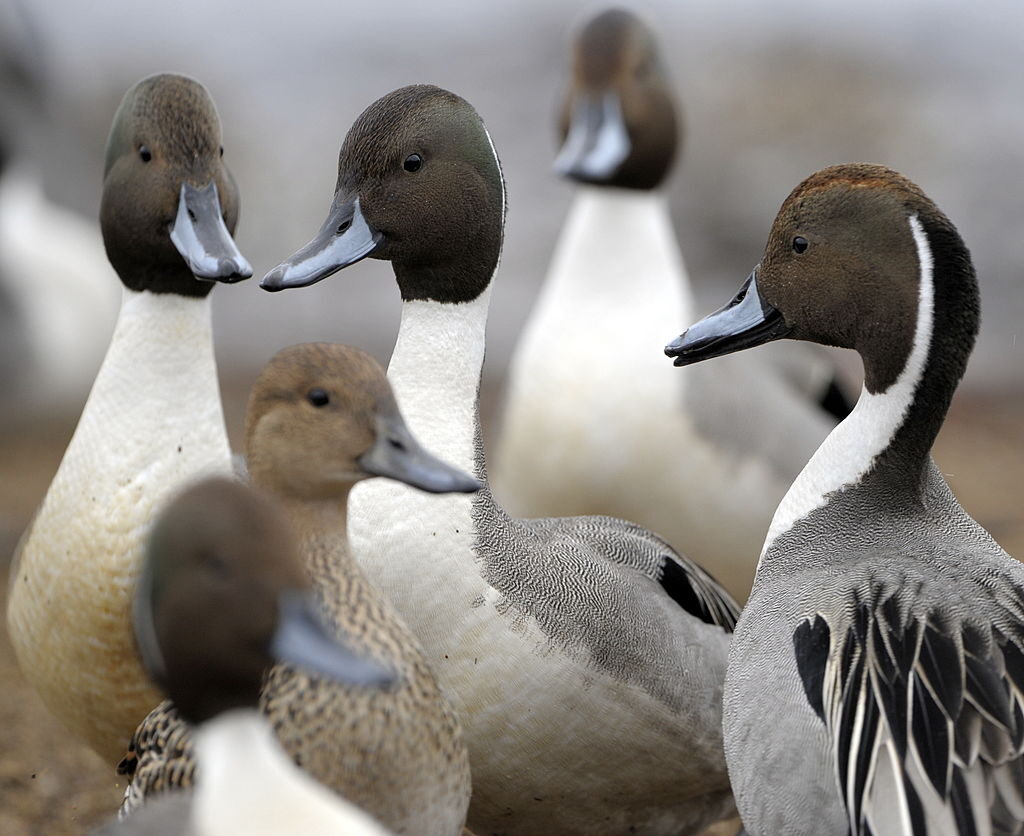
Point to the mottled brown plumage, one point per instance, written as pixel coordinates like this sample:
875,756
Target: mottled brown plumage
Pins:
315,414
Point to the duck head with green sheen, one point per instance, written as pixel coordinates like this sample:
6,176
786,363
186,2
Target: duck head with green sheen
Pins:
618,124
420,185
223,596
169,204
322,417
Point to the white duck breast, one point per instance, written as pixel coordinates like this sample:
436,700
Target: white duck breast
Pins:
885,631
152,421
584,656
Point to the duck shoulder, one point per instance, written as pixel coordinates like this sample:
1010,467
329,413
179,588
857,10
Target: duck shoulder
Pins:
607,588
922,696
635,548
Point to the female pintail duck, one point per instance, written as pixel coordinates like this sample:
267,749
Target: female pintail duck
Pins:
152,421
876,679
586,420
585,657
223,596
322,418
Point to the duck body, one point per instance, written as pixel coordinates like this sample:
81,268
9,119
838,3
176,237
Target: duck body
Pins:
951,577
588,413
153,418
884,635
577,718
221,563
538,633
396,753
417,778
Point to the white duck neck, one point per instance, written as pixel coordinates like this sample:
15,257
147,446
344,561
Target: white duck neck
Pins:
435,373
852,448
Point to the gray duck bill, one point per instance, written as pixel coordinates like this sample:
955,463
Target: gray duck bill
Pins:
344,239
597,142
199,234
302,639
747,321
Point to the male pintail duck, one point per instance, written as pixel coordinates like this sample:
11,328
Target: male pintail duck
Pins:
153,419
587,418
584,656
223,596
876,679
322,418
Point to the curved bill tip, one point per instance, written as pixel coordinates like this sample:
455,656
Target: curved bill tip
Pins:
344,239
202,239
396,454
597,142
747,321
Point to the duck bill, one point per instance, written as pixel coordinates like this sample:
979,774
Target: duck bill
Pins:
199,234
344,239
302,639
597,142
748,320
397,455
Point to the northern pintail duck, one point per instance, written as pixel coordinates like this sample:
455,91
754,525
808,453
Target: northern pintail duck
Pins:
589,406
584,656
153,419
322,418
876,679
224,595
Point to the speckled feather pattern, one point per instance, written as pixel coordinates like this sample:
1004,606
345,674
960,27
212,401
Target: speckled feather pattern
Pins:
947,564
395,753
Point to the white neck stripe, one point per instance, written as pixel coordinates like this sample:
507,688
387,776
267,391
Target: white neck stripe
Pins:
852,447
501,177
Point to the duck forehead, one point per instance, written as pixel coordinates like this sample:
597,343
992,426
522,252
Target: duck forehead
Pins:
354,380
850,183
605,44
178,114
399,123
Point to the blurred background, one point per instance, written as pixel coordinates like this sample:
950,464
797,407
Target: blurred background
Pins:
769,93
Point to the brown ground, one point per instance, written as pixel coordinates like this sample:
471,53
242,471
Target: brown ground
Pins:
50,784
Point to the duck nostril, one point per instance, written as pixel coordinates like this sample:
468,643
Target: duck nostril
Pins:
191,216
397,444
343,226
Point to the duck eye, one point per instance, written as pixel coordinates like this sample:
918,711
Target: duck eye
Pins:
413,162
145,153
318,397
799,244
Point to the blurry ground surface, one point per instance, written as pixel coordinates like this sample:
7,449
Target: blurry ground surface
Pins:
50,784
